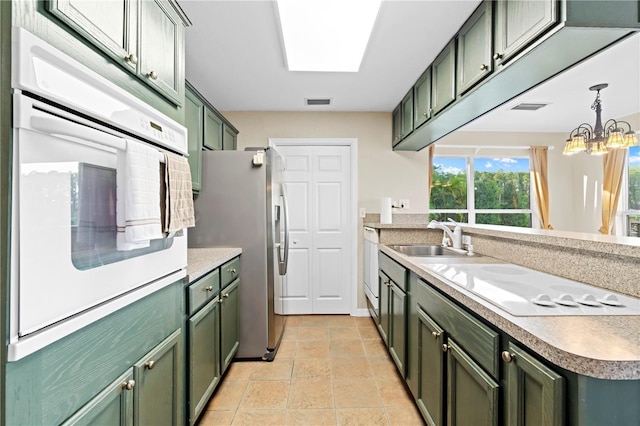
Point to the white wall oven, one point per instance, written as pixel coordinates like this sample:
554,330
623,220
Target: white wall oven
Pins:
71,128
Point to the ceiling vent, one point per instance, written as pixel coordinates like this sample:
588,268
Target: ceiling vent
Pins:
312,102
528,107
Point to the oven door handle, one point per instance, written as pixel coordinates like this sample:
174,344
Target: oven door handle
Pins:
62,127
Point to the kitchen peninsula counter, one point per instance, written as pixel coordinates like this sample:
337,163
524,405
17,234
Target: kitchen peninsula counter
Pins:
200,261
604,347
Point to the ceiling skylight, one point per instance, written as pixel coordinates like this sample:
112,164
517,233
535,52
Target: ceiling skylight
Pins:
326,35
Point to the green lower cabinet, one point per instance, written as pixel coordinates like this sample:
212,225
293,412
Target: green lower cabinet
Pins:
111,407
430,370
204,356
157,396
398,327
383,299
473,395
534,393
229,324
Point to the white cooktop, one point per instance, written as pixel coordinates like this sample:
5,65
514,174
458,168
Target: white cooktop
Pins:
526,292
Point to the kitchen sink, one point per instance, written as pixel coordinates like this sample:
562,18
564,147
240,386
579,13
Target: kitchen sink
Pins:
422,250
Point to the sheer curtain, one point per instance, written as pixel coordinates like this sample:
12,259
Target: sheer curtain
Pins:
614,162
538,161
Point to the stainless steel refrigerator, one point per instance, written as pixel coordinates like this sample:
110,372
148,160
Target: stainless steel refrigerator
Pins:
242,203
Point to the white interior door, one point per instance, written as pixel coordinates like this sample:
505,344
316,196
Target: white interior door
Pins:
318,183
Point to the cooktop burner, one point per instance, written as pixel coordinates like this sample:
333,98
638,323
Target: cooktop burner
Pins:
526,292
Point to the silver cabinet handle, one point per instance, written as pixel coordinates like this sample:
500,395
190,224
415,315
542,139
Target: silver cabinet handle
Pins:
131,58
483,67
225,295
425,114
149,365
445,347
209,288
435,334
232,270
128,385
152,75
507,356
497,56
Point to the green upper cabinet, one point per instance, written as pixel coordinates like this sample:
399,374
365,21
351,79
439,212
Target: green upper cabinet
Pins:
422,99
535,394
443,74
396,132
407,114
109,25
229,137
162,49
157,397
518,22
212,130
193,121
145,37
474,49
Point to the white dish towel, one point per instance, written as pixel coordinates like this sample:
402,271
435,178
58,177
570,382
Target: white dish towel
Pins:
138,188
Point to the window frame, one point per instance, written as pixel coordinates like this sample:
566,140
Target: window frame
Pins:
624,211
471,210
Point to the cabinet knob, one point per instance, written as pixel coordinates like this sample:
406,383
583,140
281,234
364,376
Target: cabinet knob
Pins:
149,365
152,75
430,110
232,270
128,385
483,67
209,288
225,295
507,356
425,113
131,58
435,334
387,283
497,56
445,347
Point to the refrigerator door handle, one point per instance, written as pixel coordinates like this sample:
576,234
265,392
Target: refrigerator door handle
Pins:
284,260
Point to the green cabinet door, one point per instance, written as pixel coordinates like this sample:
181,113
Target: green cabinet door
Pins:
422,99
472,394
519,22
430,370
229,324
384,290
161,35
193,121
111,407
407,114
398,327
443,74
229,138
157,397
534,393
474,49
204,356
396,125
108,25
212,130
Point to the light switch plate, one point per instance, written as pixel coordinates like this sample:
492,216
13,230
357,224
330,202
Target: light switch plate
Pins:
362,212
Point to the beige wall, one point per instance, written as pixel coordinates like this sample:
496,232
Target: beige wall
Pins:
381,172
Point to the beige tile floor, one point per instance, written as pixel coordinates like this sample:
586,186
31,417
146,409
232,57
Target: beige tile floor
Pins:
329,370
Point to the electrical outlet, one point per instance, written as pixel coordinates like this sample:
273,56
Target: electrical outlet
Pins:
363,212
466,239
404,203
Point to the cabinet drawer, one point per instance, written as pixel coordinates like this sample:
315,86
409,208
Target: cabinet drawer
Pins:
230,271
480,341
395,271
202,290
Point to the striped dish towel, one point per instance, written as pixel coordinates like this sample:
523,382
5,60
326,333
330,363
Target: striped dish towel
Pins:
179,211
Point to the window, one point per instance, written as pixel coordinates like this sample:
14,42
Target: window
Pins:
632,213
500,195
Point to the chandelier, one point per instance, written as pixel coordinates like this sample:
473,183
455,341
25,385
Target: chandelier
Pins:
598,139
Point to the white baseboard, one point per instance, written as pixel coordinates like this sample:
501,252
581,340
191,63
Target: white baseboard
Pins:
361,313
